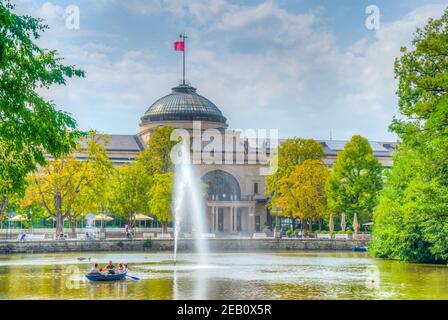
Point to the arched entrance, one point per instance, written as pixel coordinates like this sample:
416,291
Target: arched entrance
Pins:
228,213
222,186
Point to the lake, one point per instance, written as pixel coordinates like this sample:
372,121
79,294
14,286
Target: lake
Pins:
229,275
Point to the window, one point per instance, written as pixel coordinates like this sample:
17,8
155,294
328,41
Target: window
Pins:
222,186
256,188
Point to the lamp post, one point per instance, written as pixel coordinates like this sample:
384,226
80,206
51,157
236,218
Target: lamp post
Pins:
31,221
276,230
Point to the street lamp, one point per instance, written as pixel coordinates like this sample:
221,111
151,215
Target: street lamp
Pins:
31,220
276,230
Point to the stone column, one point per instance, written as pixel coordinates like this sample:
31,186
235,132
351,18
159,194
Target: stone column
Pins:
214,218
252,219
235,218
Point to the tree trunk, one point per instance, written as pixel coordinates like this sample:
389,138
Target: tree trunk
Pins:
59,223
59,217
165,226
73,225
3,206
310,225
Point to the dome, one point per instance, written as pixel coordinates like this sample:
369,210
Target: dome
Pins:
184,104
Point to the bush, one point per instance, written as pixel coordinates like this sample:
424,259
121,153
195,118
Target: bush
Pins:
349,232
288,232
120,244
147,244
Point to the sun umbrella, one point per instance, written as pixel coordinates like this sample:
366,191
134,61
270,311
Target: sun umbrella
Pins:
355,224
103,217
343,223
142,217
18,218
331,224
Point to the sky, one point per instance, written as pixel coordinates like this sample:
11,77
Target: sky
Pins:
306,68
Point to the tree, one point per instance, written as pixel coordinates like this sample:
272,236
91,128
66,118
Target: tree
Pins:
156,161
128,193
302,193
156,158
30,126
411,221
291,153
160,198
67,187
355,180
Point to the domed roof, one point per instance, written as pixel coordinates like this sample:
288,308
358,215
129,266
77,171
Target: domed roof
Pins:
184,104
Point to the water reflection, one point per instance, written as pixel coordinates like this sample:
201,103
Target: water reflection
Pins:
289,275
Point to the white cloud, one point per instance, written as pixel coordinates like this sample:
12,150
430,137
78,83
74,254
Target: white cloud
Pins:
263,66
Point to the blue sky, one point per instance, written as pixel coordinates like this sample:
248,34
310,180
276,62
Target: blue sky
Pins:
304,67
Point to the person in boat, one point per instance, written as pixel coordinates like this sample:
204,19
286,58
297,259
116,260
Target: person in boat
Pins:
121,268
95,269
110,267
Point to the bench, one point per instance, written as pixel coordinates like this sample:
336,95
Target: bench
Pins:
340,236
81,236
323,236
147,235
33,237
362,236
163,236
207,235
259,235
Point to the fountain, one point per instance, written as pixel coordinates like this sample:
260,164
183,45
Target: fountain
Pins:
188,203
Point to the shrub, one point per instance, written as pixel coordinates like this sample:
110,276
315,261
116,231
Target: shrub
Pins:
147,244
120,244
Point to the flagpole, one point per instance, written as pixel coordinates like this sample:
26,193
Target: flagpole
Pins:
184,37
183,65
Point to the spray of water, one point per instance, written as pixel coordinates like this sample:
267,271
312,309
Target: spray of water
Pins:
189,205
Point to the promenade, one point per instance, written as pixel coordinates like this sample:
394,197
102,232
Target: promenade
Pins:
215,245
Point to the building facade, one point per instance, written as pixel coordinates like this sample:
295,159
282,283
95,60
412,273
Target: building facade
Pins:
236,202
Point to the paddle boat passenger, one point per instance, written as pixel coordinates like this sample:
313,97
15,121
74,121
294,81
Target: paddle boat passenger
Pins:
95,269
110,267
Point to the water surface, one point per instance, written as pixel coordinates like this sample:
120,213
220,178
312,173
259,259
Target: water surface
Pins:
242,275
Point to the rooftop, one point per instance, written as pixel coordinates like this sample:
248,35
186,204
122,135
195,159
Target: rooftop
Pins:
184,104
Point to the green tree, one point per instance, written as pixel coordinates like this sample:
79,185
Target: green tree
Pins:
61,185
291,152
302,193
355,180
157,156
411,221
411,214
30,126
128,192
160,198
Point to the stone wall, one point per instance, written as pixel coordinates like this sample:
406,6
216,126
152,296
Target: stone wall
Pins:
7,247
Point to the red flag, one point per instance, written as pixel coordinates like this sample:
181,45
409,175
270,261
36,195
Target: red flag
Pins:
179,46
